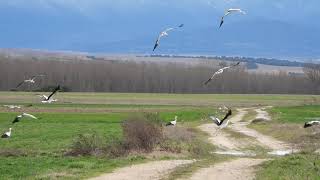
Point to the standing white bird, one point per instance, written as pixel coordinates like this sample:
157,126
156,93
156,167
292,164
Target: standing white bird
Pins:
48,99
7,134
19,117
224,122
229,11
220,71
30,80
164,33
173,123
12,106
311,123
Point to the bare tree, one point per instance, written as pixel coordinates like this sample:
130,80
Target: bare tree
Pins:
313,72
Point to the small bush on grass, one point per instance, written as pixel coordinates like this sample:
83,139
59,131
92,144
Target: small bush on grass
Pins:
86,145
116,148
140,134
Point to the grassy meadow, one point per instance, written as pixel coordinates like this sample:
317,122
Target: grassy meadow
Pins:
38,147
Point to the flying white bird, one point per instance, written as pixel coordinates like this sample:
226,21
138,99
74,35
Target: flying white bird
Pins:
173,123
31,80
164,33
19,117
229,11
311,123
48,99
224,122
12,106
7,134
220,71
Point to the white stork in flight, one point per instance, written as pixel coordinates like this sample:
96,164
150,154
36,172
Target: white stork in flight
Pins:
165,33
173,123
49,99
224,122
19,117
220,71
30,80
7,134
228,12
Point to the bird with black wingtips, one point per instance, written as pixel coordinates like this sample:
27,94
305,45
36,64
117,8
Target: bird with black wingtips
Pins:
19,117
7,134
220,71
164,33
49,98
224,122
311,123
228,12
30,80
173,123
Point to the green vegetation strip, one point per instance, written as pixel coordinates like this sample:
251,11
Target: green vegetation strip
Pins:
293,167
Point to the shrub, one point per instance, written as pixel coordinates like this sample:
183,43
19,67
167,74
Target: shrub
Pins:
116,148
141,134
86,144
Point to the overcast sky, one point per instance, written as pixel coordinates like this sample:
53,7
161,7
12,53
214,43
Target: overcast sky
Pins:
274,9
68,24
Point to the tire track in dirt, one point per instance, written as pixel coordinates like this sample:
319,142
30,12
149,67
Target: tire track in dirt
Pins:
147,171
239,169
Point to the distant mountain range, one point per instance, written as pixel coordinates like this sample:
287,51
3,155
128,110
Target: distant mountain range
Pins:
125,30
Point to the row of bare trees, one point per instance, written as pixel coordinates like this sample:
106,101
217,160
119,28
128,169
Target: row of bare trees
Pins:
130,76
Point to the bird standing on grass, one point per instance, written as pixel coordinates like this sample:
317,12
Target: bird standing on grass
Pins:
220,71
173,123
164,33
19,117
7,134
224,122
229,11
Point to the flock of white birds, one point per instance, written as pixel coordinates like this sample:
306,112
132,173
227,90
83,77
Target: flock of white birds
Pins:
221,123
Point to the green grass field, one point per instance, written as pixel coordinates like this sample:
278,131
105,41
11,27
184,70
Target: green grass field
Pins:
287,125
37,147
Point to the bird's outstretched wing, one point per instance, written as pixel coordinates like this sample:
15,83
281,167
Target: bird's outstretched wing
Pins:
29,115
207,82
222,21
16,119
168,29
227,115
215,120
237,64
54,91
19,84
156,44
38,75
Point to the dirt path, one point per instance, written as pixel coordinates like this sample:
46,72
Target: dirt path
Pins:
242,168
239,169
266,141
148,171
222,139
262,114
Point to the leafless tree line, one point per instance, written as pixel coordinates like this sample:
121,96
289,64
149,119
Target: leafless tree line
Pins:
130,76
